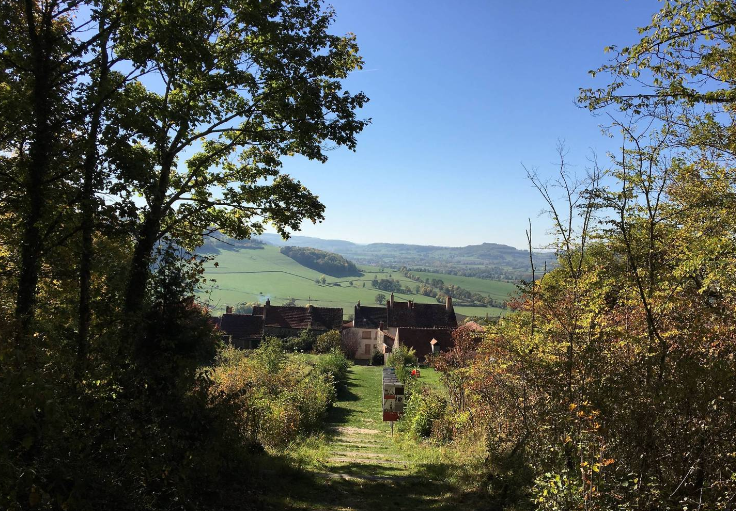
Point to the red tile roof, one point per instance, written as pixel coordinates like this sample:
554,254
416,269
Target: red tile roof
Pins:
299,318
369,317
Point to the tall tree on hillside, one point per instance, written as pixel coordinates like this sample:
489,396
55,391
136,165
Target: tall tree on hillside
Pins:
240,86
39,150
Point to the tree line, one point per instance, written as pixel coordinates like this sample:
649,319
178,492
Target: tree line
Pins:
325,262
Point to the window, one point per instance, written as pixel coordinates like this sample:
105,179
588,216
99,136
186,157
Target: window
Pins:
368,349
366,334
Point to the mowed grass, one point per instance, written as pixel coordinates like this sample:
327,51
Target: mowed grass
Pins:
254,275
358,465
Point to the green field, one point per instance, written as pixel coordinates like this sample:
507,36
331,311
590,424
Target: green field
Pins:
493,288
253,275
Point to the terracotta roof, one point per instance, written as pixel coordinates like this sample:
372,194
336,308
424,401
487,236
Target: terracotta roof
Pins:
369,317
241,326
316,318
420,315
421,339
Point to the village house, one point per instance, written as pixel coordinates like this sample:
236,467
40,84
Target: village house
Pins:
424,341
374,329
243,331
247,330
289,321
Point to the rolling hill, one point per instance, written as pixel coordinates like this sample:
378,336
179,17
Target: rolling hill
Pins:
488,260
256,272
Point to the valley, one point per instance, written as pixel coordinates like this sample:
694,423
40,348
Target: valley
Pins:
255,272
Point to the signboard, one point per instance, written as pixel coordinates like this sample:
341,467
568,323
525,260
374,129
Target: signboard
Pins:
393,396
390,416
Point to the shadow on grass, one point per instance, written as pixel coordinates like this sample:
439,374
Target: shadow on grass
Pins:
346,392
368,487
339,415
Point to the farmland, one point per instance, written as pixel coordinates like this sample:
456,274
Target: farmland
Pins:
262,272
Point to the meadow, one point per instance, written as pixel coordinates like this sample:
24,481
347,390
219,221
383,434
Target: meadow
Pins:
256,274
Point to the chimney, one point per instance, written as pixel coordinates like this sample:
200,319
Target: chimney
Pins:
310,307
268,302
228,309
448,304
358,303
391,301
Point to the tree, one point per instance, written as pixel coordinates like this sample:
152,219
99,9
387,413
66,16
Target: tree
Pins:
380,298
127,131
633,324
327,342
237,104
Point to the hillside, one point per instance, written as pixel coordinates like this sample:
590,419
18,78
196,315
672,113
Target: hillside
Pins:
488,260
328,263
253,275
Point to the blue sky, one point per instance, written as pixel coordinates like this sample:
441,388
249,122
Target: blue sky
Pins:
462,93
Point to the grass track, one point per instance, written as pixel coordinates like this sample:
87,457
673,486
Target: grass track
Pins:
362,468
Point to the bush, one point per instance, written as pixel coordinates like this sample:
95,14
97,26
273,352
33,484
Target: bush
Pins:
425,410
303,343
399,359
377,358
336,366
327,342
279,397
271,354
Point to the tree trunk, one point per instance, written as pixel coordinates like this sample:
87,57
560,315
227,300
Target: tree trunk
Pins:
147,237
38,168
88,201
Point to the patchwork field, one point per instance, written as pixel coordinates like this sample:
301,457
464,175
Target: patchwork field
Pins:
257,274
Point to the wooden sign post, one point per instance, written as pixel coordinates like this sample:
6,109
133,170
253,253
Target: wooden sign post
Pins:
393,397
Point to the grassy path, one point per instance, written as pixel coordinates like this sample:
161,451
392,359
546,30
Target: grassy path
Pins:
361,467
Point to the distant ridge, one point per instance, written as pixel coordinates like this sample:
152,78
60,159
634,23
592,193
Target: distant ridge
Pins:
487,260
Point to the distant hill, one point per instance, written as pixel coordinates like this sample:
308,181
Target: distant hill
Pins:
488,260
322,261
217,245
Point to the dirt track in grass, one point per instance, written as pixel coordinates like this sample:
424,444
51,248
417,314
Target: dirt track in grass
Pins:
362,468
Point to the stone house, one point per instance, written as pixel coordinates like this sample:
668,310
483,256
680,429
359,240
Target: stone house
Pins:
289,321
247,330
243,331
375,328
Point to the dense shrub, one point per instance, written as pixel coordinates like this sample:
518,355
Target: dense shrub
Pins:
377,359
327,342
280,397
302,343
425,411
401,358
336,366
